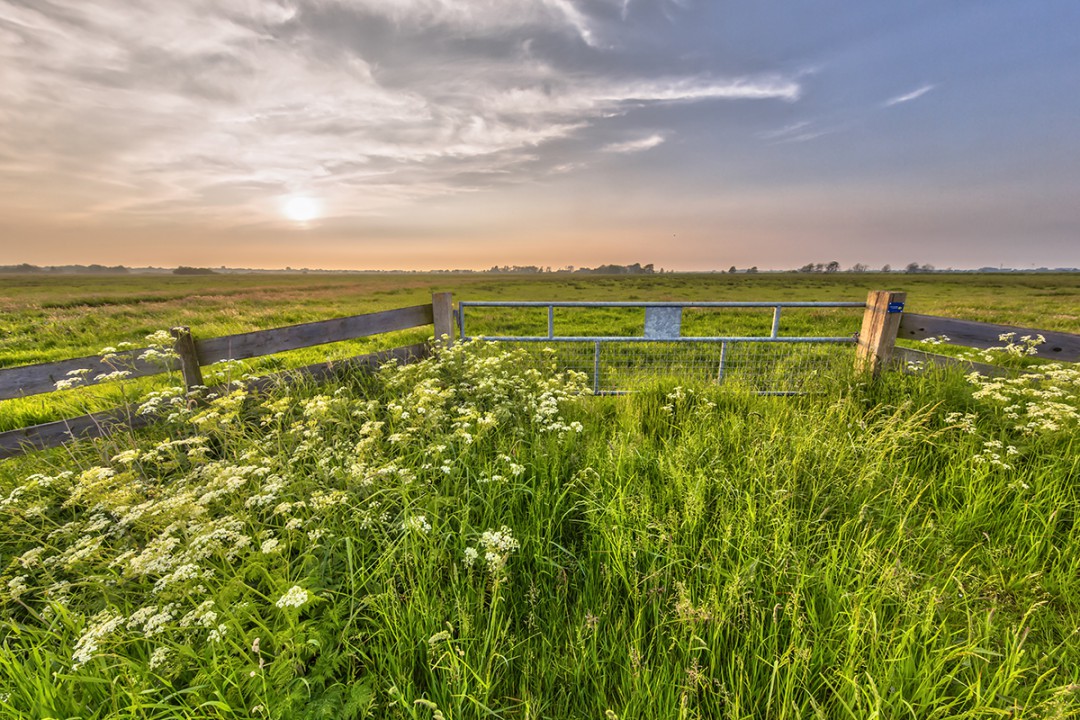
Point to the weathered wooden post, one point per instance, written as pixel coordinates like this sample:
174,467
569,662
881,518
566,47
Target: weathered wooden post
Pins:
184,347
877,338
442,310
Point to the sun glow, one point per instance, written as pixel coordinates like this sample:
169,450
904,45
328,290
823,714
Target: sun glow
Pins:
301,209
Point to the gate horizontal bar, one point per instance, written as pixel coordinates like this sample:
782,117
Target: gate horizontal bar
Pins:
718,304
634,339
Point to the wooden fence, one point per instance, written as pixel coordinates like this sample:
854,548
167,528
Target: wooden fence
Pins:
883,323
194,353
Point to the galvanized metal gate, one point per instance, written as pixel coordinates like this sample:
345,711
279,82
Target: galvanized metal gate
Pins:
770,362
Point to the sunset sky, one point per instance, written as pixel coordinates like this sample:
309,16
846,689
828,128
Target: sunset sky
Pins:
418,134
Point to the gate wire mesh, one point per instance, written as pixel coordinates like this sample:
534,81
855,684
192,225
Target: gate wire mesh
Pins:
621,345
766,368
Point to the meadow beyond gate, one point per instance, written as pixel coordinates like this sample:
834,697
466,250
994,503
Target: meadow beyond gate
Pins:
619,344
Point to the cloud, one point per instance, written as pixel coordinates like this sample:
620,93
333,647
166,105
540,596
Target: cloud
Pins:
908,97
633,146
800,132
478,18
784,132
217,108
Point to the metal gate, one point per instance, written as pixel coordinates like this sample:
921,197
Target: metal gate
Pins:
671,340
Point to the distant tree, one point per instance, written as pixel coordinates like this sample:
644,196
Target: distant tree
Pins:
819,267
185,270
733,270
832,267
927,267
886,268
859,268
913,268
807,268
752,270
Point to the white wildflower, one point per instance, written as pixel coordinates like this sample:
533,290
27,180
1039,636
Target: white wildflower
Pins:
159,657
295,597
103,624
17,586
269,546
417,523
218,633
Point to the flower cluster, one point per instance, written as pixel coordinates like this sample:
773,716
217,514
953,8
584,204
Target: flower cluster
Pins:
993,454
1011,353
1044,401
294,597
493,550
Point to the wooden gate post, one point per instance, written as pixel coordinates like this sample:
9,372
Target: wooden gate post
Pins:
184,347
442,310
877,338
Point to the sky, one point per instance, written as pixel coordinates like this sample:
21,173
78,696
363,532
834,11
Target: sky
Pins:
417,134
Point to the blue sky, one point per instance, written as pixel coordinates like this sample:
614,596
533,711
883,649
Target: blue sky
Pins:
431,133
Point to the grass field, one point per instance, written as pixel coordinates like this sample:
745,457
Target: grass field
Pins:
44,318
475,537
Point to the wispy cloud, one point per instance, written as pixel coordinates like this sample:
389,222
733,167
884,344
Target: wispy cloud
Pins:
633,146
799,132
908,97
783,132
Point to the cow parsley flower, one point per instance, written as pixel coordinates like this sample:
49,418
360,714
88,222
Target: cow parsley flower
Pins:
471,556
497,546
269,546
159,657
17,586
295,597
417,523
100,627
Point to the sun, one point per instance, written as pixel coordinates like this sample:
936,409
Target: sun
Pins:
301,209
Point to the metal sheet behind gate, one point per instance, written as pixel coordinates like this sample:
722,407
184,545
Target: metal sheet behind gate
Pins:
663,323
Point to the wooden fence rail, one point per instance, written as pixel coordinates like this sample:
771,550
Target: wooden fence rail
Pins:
108,422
193,353
1058,346
36,379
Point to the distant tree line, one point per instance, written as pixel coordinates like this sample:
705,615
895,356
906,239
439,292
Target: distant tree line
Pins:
834,266
829,267
185,270
635,269
27,268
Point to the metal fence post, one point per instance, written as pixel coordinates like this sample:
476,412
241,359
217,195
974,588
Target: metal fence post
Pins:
877,338
184,347
596,370
442,311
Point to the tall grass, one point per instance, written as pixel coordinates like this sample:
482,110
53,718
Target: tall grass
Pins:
474,536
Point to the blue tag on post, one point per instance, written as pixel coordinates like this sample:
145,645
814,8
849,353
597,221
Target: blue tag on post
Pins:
895,307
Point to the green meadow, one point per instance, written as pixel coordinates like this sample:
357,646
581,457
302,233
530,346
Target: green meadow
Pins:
478,536
53,317
45,318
